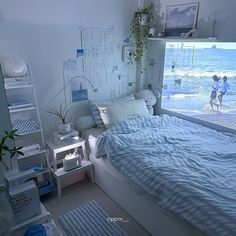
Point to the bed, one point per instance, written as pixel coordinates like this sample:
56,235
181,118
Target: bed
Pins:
174,177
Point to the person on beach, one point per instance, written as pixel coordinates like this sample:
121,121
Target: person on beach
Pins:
177,81
223,90
215,87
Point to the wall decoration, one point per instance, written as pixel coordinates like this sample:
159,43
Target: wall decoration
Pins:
78,93
128,54
180,18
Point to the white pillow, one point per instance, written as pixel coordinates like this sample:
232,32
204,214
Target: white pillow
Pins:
85,122
96,114
121,111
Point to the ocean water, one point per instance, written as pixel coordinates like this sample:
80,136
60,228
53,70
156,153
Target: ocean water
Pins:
195,68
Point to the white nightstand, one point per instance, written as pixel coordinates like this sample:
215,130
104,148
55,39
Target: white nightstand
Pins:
58,148
59,174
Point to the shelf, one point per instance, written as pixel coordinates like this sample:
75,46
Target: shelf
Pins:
16,78
33,132
47,189
32,154
179,39
46,170
38,219
23,109
8,86
60,172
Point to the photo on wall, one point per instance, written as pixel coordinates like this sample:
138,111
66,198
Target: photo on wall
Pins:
180,18
78,93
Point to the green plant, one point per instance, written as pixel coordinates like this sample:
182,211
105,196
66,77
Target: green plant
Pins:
61,113
140,26
4,149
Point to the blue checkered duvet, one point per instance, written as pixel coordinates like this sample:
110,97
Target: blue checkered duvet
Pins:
189,169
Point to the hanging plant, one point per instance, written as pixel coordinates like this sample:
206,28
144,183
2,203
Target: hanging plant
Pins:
140,26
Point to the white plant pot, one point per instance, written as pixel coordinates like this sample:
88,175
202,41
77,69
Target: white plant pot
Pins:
65,128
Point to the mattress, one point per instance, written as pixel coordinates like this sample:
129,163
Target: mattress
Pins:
90,135
189,169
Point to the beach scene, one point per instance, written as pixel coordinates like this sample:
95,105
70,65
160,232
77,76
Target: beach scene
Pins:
200,81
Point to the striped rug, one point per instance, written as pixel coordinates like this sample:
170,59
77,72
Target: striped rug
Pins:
89,220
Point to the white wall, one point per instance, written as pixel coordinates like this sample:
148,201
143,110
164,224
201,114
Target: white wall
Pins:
45,33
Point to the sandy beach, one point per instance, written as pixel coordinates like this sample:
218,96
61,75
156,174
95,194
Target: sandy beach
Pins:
227,120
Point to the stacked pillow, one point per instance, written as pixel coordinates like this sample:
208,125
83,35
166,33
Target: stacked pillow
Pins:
96,113
121,111
107,114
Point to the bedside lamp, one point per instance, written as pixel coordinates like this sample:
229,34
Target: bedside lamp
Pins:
149,97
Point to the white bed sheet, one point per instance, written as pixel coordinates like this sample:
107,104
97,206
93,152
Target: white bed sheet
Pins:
90,135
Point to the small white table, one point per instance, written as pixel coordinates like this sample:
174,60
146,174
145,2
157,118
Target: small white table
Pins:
60,173
58,148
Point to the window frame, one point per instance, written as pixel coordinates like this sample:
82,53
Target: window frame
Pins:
160,110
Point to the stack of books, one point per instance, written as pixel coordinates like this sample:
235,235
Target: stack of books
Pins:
25,201
31,149
13,178
61,139
19,104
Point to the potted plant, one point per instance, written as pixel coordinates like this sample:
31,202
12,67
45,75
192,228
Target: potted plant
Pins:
5,149
140,26
62,115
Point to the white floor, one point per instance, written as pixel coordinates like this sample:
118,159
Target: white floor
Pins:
80,193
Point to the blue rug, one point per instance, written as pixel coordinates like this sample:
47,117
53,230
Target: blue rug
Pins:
89,220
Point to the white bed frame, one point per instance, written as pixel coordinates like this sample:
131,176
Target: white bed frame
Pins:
142,208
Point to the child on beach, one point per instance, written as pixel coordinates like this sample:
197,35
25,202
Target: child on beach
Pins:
215,87
224,89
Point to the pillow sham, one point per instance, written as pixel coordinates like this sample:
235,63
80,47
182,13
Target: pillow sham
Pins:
121,111
96,114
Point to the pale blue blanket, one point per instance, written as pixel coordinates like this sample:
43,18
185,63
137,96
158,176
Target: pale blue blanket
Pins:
189,169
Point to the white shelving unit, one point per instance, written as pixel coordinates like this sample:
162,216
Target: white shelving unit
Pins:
24,114
19,229
180,39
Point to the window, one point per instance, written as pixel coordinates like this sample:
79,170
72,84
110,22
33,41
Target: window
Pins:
200,81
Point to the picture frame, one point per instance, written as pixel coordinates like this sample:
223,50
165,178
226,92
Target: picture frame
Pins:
180,18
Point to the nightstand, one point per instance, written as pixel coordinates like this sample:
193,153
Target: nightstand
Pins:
55,148
59,173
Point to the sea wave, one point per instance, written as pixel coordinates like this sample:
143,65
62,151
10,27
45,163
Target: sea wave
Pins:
199,73
182,95
205,110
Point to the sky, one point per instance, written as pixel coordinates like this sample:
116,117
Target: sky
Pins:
223,45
